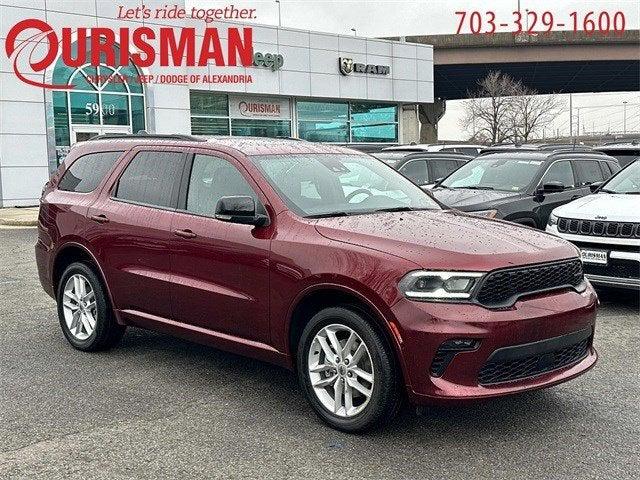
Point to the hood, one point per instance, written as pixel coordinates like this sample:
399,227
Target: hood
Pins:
468,199
449,240
613,207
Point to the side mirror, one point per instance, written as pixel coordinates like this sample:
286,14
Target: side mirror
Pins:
550,187
595,186
240,209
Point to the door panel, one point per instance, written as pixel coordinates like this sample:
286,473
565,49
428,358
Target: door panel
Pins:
133,239
561,171
220,270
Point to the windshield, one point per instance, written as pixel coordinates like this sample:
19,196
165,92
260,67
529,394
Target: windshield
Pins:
491,173
627,181
316,185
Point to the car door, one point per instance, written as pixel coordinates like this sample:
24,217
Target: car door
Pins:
220,269
560,171
130,230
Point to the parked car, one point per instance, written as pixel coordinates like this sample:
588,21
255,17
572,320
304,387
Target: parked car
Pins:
313,257
425,168
523,186
606,228
624,152
463,148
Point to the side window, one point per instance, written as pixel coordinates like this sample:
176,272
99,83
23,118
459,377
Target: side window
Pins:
560,172
152,178
589,172
86,173
211,179
442,168
416,171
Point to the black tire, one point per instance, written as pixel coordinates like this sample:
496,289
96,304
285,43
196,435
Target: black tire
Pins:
107,332
386,397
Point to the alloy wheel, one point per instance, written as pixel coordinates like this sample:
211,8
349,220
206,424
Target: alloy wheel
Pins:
341,370
79,307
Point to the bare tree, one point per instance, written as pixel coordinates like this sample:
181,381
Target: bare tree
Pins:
531,112
486,112
503,109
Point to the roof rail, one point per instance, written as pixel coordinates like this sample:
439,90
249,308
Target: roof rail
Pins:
148,136
566,151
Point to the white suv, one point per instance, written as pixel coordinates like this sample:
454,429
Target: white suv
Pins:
606,228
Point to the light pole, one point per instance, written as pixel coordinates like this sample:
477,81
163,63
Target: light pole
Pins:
354,31
279,14
624,118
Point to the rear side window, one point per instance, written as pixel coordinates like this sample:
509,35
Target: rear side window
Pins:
416,171
86,173
589,172
152,178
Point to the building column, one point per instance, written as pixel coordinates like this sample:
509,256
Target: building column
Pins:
410,131
430,114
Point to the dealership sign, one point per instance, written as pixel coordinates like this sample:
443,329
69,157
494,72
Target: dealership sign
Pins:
347,66
259,107
274,61
165,46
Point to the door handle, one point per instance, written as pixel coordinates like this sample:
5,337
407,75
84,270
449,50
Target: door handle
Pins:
184,233
99,218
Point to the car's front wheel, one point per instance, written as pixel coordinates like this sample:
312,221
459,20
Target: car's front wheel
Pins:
348,371
84,311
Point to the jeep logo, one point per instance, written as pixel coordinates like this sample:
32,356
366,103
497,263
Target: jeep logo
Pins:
348,66
274,61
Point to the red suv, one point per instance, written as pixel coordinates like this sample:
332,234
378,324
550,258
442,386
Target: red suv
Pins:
314,257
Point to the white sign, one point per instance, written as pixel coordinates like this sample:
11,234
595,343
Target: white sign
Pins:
259,107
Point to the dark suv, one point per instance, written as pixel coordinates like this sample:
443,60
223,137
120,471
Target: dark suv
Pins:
524,186
316,258
424,168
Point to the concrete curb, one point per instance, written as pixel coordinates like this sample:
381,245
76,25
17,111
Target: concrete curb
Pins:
19,217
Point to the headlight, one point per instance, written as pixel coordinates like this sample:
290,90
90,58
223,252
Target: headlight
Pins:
428,285
553,220
485,213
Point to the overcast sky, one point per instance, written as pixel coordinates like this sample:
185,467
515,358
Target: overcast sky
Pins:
380,18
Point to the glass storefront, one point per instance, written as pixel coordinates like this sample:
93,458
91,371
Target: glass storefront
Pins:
109,98
317,121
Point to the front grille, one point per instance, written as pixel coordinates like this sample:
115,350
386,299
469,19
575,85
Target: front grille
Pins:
598,228
502,287
530,366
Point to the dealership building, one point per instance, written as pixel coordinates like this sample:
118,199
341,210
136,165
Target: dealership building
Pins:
314,86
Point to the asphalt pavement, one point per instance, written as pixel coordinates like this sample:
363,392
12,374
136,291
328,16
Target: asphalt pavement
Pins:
160,407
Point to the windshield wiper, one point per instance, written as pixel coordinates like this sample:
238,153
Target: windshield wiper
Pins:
328,214
478,187
395,209
604,190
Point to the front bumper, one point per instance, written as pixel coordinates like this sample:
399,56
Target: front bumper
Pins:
623,254
536,320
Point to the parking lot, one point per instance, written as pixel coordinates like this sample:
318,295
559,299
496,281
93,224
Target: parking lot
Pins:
160,407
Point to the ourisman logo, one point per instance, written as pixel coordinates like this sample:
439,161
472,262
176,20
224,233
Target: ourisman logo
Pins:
164,46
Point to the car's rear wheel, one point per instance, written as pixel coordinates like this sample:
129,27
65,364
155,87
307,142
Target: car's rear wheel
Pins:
84,312
348,371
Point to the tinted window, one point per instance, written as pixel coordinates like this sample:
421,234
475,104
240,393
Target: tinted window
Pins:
416,171
468,151
152,178
589,172
86,173
442,168
560,172
211,179
494,172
